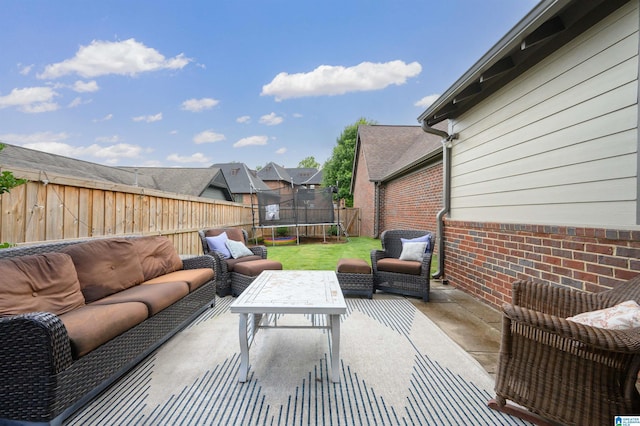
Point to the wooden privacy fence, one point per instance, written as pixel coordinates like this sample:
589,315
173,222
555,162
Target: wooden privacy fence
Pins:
57,207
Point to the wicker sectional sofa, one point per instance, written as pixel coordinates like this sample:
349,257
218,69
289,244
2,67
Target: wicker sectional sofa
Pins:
76,315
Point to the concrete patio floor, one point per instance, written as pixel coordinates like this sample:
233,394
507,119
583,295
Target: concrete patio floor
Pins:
475,326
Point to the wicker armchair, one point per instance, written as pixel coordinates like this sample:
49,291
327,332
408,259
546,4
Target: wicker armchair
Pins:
402,277
561,370
222,266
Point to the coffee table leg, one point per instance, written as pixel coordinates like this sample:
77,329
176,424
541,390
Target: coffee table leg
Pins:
244,348
335,348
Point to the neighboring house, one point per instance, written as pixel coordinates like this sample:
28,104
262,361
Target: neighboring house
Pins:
543,147
286,179
243,182
397,178
204,182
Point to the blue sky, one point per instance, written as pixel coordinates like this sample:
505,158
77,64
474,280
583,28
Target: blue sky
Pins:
193,83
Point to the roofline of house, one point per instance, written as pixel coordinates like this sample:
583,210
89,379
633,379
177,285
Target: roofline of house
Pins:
523,46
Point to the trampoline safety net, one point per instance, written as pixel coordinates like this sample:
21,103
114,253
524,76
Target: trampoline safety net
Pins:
304,206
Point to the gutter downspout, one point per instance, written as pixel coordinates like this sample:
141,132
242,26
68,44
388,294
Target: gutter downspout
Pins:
446,191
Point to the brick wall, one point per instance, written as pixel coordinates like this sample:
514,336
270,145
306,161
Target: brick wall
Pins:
485,258
364,198
412,201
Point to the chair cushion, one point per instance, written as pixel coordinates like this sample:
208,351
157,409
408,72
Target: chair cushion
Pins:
353,266
105,266
193,277
155,296
92,325
413,251
622,316
157,256
232,233
390,264
255,267
39,283
217,243
231,263
237,249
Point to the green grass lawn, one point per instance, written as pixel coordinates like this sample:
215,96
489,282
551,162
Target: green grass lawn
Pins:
324,256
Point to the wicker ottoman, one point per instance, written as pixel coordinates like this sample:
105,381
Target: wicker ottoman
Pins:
245,272
354,276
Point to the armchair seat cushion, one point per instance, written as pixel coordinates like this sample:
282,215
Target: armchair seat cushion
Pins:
254,268
231,263
390,264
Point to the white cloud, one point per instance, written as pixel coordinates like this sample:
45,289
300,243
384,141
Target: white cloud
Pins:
281,151
108,139
251,141
148,118
76,102
271,119
105,118
25,69
85,86
208,136
297,115
197,105
427,101
34,138
338,80
116,151
198,157
128,57
30,99
243,120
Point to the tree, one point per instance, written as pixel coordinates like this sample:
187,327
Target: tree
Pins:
309,163
339,167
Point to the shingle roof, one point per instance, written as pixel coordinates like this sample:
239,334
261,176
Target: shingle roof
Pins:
185,181
298,175
389,149
241,179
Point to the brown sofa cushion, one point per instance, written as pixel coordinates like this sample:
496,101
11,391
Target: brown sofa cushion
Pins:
105,266
390,264
254,268
92,325
194,277
39,283
353,266
157,256
232,233
231,263
155,296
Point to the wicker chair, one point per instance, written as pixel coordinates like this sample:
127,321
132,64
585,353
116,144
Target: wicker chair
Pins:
393,279
561,370
222,266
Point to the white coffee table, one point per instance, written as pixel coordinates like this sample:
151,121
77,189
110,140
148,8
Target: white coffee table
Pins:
290,292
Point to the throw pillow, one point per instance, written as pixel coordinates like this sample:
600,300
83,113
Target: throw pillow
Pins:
237,249
423,239
413,251
217,243
623,316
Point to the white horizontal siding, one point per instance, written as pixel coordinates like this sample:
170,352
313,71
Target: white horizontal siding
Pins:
564,134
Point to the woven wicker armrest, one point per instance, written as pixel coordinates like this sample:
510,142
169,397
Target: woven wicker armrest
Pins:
259,251
618,341
554,300
426,264
198,262
377,255
35,348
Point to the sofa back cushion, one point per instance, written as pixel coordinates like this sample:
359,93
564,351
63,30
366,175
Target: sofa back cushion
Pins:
39,283
105,266
157,256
